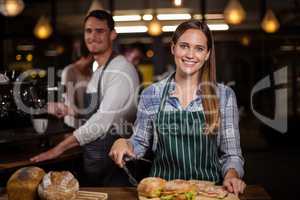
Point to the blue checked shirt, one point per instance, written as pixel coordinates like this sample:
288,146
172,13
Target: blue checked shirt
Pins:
230,154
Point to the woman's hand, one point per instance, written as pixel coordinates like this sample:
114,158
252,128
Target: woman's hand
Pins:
47,155
59,109
119,149
233,183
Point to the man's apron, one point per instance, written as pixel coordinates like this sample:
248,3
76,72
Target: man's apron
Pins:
99,168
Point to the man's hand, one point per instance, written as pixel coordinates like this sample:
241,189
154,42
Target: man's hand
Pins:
68,143
47,155
119,149
233,183
59,109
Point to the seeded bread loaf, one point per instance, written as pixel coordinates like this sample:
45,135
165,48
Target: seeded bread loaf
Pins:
58,186
23,184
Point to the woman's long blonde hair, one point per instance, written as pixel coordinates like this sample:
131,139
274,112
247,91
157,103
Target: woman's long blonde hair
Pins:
208,83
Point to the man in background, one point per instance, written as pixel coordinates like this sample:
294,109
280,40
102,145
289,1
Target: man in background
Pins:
109,105
135,53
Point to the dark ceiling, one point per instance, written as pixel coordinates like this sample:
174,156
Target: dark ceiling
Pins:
68,14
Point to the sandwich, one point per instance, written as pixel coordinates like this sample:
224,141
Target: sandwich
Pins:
155,188
207,190
178,190
150,188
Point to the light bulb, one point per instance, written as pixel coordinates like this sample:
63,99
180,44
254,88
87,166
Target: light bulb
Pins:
177,2
234,12
154,27
270,23
43,28
11,8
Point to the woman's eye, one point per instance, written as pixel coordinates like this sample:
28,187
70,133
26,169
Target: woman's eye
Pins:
200,49
183,46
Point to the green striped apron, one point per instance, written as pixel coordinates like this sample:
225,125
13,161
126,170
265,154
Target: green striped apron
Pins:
183,150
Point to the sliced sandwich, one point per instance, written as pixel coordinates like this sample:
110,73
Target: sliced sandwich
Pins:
208,191
150,188
178,190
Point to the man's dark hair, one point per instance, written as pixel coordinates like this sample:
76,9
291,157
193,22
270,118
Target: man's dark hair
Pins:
103,16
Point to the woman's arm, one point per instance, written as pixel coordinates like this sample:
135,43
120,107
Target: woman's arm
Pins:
139,142
231,158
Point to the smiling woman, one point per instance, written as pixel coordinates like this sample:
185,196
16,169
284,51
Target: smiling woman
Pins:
205,145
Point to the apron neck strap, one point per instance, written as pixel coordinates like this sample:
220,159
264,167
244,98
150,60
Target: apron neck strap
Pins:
165,92
111,57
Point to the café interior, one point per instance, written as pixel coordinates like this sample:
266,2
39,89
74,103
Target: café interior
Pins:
257,44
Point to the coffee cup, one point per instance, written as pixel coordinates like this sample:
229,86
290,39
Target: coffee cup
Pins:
40,125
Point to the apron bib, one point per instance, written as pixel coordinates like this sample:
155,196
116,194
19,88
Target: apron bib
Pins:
183,150
99,168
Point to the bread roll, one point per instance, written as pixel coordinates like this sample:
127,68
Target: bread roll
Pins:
58,186
23,184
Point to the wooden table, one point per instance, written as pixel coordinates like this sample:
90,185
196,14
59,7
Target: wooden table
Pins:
253,192
23,160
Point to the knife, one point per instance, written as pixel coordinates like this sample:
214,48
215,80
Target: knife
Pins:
131,179
127,158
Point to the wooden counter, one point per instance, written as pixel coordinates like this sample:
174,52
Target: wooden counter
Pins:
23,161
253,192
20,144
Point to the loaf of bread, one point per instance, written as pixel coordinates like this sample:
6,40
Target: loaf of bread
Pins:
23,184
58,186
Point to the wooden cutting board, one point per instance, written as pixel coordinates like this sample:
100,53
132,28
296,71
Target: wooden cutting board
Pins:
88,195
82,195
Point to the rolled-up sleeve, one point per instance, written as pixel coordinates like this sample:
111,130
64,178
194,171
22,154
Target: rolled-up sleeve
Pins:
229,136
143,129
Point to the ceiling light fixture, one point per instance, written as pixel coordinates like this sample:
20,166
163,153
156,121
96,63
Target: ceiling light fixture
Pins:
209,16
43,28
184,16
270,24
124,18
11,8
234,13
95,5
131,29
147,17
154,27
212,27
177,2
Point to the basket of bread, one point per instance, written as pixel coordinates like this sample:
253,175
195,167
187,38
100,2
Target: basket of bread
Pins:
155,188
33,183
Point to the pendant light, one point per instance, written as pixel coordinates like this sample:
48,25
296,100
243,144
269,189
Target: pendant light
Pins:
270,23
234,13
177,2
43,28
95,5
154,27
11,8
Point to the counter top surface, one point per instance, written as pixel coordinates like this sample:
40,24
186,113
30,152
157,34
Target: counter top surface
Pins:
55,127
253,192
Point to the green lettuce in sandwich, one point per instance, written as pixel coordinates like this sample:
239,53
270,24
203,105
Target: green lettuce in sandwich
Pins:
178,190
